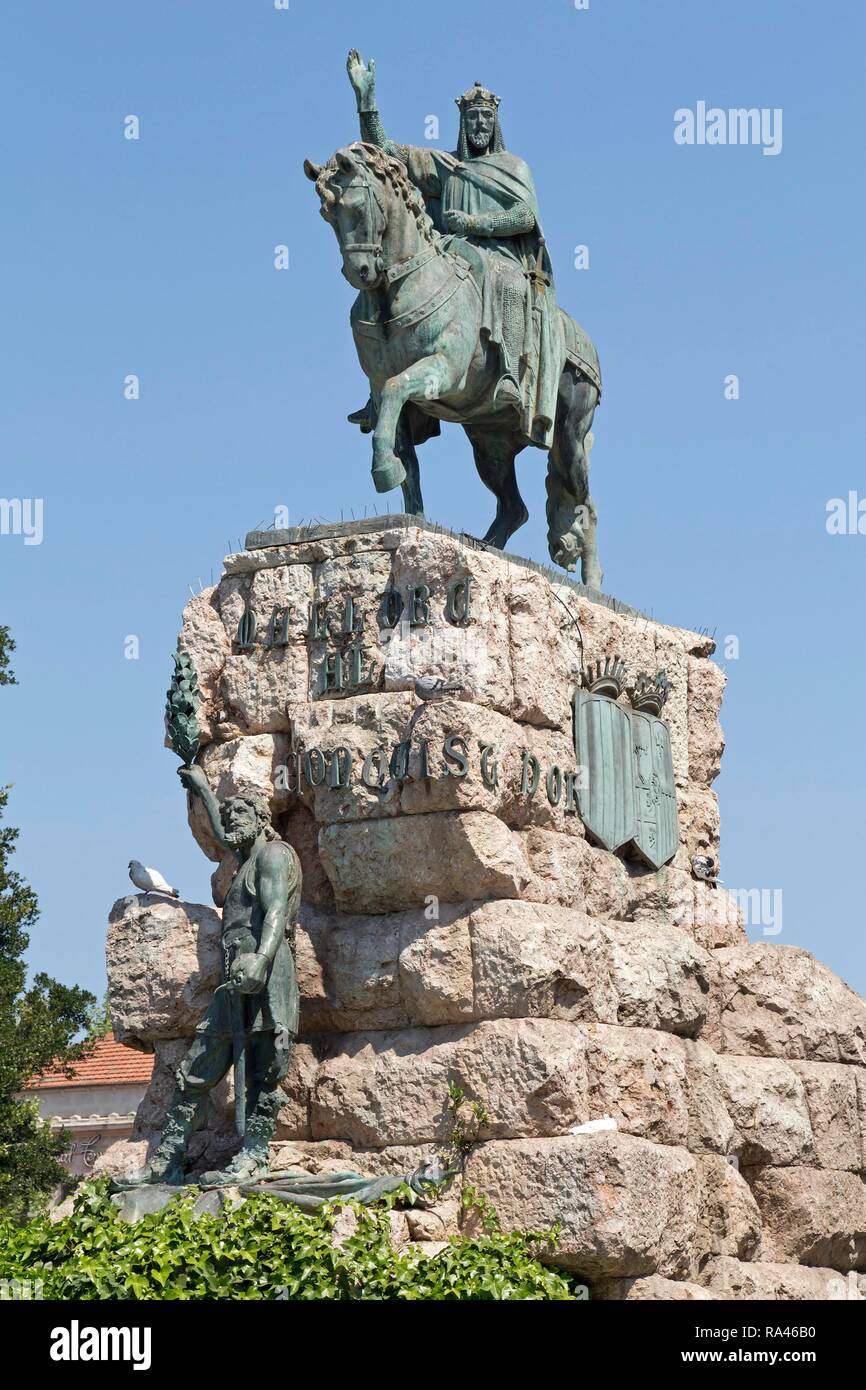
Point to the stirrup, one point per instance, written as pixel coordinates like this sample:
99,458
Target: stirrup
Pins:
507,392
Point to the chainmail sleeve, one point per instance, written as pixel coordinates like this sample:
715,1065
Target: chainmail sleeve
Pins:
373,133
511,221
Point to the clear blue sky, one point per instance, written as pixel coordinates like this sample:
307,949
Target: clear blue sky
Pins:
155,257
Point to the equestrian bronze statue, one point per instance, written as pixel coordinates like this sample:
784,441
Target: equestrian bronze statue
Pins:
456,317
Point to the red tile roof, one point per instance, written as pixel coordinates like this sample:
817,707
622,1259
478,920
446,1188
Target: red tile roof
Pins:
109,1064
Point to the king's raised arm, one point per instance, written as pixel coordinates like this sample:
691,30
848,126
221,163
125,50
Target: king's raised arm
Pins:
363,79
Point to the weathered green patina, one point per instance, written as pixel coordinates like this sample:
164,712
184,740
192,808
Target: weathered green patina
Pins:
311,1190
456,317
626,790
181,709
253,1018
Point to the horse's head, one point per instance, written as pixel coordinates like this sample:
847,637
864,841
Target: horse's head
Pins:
377,213
355,208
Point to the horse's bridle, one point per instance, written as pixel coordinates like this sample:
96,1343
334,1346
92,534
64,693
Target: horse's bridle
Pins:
372,197
400,268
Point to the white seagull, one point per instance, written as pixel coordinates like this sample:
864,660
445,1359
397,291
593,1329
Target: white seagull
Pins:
150,880
602,1126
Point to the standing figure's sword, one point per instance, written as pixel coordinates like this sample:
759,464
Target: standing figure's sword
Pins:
239,1058
239,1054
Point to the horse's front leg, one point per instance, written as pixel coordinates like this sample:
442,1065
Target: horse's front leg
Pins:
425,380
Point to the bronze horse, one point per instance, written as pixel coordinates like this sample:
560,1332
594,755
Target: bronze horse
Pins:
417,329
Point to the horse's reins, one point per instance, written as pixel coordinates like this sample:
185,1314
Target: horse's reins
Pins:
374,246
400,269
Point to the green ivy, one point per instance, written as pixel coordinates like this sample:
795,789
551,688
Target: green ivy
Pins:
263,1249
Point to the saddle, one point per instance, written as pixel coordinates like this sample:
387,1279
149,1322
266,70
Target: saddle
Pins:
502,285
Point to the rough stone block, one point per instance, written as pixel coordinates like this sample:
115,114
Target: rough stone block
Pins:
706,687
382,1089
831,1099
729,1222
372,725
544,641
121,1158
766,1100
385,866
638,1077
477,657
811,1216
388,971
256,685
730,1279
673,896
779,1001
650,1289
163,959
660,975
501,959
711,1129
626,1207
293,1121
574,873
550,961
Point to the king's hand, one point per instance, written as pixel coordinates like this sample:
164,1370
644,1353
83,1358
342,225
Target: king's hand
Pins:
363,80
458,222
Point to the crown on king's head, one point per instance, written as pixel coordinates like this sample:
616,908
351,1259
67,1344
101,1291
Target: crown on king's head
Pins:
650,692
477,96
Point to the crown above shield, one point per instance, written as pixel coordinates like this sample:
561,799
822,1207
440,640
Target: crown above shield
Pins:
606,677
477,96
650,692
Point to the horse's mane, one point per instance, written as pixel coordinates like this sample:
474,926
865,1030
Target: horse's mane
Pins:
387,170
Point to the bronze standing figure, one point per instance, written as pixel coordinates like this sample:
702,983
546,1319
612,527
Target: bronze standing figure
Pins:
252,1020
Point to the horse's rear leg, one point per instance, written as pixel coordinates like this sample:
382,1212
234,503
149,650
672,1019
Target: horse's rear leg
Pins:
495,452
571,514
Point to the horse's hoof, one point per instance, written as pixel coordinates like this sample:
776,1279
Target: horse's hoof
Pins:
388,473
563,555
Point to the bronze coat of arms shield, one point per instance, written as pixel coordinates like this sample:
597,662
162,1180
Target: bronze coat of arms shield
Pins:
625,788
657,834
606,793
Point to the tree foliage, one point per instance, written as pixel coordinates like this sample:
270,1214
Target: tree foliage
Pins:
99,1019
38,1022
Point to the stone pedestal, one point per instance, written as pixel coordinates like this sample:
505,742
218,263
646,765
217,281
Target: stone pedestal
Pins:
393,689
